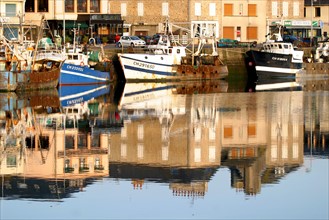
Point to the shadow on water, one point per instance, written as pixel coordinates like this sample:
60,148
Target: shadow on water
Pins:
237,78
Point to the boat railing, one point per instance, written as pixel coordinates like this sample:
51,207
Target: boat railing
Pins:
43,53
47,51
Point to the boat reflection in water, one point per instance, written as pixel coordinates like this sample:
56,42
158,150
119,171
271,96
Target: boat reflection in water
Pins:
272,83
183,139
49,151
179,134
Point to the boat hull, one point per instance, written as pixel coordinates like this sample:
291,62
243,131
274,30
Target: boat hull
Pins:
273,64
36,80
8,81
71,95
72,74
147,66
280,86
29,80
155,67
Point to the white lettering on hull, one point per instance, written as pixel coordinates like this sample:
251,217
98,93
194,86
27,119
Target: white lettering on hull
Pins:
76,68
144,65
280,59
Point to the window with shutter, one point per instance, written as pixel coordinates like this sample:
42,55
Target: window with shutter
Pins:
228,9
252,10
228,32
251,33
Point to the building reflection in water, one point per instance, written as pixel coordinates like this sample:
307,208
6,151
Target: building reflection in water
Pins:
178,134
49,151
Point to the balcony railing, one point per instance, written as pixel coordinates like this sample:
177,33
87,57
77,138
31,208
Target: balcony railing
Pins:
99,167
84,168
68,169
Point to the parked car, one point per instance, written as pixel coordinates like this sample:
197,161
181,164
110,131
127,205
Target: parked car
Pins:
225,42
133,41
147,39
298,42
289,38
155,38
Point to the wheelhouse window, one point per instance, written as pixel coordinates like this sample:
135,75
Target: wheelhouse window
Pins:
42,6
82,5
94,6
29,6
69,5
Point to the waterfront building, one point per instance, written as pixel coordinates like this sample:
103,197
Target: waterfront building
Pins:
239,20
11,15
242,20
317,11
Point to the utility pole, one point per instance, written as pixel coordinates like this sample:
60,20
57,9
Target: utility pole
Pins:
311,35
64,25
312,12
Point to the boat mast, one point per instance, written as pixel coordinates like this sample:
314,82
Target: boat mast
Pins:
40,32
64,26
21,37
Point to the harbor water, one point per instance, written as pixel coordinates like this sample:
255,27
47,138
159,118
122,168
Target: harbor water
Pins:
214,149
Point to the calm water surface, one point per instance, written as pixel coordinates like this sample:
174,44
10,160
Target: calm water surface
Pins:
167,151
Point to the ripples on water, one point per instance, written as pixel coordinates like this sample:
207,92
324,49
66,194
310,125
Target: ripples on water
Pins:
202,150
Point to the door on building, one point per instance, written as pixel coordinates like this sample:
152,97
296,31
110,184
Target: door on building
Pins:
141,33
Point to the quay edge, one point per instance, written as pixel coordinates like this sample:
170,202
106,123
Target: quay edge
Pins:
231,57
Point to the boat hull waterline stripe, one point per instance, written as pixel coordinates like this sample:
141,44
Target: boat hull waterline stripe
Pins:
148,91
83,75
160,73
276,69
139,60
277,86
82,93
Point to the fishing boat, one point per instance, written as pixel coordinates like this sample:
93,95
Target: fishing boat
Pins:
74,75
160,61
322,52
79,54
83,67
71,95
21,74
276,58
136,93
25,67
169,61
